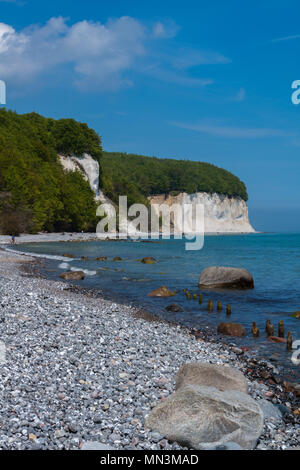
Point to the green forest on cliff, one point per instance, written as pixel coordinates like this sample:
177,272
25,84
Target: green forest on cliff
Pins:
36,193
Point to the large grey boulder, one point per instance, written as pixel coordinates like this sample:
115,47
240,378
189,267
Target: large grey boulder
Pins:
212,375
269,410
228,278
203,417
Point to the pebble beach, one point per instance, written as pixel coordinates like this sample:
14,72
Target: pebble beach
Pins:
76,369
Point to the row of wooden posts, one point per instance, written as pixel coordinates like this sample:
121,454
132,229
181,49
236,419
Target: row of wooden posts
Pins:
254,330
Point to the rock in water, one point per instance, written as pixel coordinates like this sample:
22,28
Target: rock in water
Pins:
231,329
211,375
204,417
229,278
162,291
174,308
148,260
296,314
72,275
276,339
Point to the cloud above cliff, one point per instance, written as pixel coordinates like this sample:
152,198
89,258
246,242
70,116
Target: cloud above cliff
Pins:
99,56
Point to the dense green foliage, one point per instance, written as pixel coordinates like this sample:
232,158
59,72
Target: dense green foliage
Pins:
139,176
32,179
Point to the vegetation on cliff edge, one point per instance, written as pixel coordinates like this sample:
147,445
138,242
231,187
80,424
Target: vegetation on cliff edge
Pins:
36,193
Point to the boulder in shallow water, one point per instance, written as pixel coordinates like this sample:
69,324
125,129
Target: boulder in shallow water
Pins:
228,278
162,291
231,329
174,308
296,315
72,275
211,375
276,339
203,418
149,260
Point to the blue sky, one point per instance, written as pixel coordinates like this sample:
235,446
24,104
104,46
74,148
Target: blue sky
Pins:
207,81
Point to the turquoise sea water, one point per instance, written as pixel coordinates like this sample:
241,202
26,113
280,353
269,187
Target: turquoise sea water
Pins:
273,260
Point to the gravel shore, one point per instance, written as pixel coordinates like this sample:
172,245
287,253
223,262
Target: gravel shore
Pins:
75,368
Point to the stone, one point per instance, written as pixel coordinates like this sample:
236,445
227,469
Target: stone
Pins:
276,339
296,314
2,353
117,258
269,410
101,258
162,291
291,387
226,446
94,445
203,417
223,277
148,260
174,308
211,375
231,329
72,275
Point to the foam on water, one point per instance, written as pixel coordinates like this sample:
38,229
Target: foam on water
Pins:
37,255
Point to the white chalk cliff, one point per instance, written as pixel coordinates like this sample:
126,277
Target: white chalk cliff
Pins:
222,214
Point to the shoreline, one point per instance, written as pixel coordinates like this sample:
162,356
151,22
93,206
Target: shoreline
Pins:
85,237
116,340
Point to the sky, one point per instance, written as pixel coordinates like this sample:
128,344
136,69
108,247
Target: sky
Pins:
198,80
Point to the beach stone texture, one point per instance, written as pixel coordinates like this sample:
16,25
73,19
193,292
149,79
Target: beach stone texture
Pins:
225,278
94,445
203,417
211,375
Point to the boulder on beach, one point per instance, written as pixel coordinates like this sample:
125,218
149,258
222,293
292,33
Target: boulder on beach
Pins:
148,260
72,275
228,278
67,255
162,291
117,258
231,329
101,258
174,308
211,375
204,418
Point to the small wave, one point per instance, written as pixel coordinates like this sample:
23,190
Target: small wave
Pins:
64,265
85,271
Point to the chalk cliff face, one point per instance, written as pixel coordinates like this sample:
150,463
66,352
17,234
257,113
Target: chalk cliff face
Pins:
221,213
87,165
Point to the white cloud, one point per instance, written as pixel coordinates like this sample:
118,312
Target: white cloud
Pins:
240,96
168,29
286,38
233,132
92,55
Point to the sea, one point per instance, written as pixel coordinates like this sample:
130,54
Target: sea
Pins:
272,258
